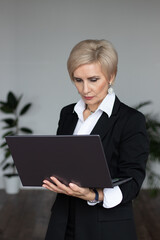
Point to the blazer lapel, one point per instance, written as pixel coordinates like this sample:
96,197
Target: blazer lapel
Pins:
70,123
105,123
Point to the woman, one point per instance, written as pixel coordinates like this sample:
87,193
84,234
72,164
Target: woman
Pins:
81,213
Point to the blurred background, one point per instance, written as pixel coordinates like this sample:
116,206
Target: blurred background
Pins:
36,39
37,36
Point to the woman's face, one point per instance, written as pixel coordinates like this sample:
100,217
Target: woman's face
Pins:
91,84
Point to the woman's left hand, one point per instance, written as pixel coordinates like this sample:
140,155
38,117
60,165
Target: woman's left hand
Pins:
71,190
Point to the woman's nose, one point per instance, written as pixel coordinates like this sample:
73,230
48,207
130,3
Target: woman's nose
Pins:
85,88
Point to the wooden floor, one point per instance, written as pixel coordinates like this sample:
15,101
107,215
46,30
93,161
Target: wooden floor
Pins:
25,216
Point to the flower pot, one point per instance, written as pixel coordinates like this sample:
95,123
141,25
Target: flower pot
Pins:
11,183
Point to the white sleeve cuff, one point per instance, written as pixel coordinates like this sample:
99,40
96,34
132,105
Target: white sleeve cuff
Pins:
93,203
112,197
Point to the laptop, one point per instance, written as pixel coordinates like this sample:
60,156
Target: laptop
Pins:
78,159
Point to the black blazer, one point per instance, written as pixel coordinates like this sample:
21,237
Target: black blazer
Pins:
126,148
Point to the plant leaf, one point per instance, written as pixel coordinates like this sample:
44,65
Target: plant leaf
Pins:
12,100
7,134
12,124
140,105
7,127
8,121
7,154
6,166
6,109
3,144
2,102
25,108
26,130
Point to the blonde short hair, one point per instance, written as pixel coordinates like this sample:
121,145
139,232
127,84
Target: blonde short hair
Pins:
93,51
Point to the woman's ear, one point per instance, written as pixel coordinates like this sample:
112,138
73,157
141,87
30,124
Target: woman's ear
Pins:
111,80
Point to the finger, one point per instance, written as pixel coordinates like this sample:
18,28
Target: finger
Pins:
75,187
59,184
51,186
48,185
48,188
67,190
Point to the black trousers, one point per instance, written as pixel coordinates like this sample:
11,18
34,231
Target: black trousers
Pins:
70,231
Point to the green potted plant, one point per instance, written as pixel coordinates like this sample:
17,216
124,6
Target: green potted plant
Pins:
153,129
11,107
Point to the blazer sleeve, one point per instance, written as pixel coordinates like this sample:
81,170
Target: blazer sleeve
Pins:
134,150
67,120
61,121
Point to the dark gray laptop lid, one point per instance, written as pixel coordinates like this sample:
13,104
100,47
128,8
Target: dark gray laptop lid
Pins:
78,159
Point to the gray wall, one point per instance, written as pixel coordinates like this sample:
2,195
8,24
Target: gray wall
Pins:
36,37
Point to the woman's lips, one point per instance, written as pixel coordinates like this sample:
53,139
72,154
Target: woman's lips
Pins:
88,98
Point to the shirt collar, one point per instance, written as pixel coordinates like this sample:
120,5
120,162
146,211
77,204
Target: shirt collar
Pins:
105,106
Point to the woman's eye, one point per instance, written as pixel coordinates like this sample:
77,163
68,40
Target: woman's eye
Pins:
94,79
77,79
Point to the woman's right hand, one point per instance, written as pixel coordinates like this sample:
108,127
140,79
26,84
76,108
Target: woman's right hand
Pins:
71,190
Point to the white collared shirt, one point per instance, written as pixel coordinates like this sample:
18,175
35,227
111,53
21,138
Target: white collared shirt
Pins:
112,196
